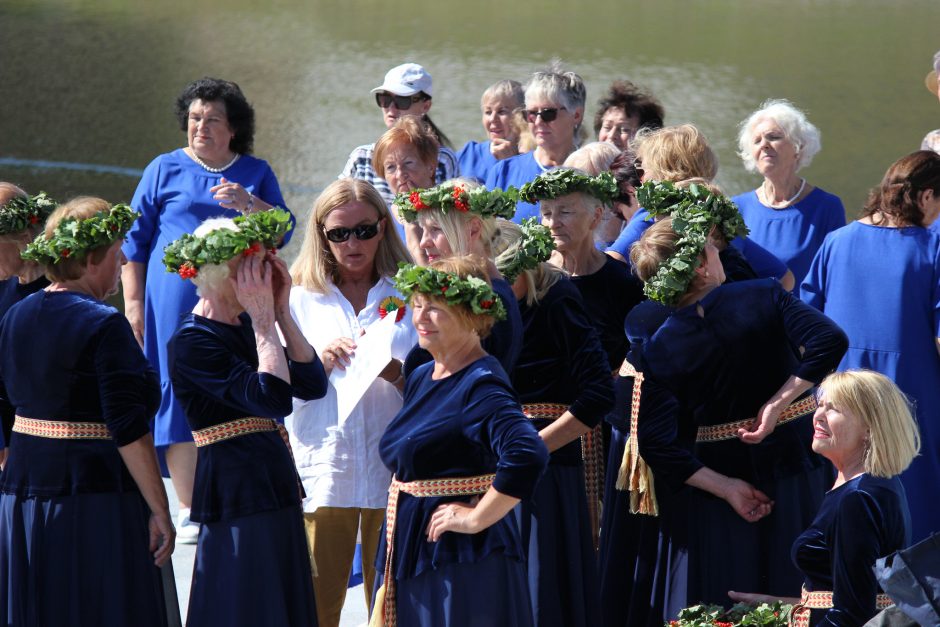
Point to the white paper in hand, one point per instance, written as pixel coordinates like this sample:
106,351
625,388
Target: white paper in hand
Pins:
373,352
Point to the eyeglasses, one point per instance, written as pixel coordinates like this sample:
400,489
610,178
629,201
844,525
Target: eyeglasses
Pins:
547,115
342,233
638,166
385,100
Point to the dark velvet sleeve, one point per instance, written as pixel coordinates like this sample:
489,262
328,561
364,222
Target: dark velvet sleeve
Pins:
308,380
493,418
660,441
856,536
505,340
205,364
127,386
587,361
823,342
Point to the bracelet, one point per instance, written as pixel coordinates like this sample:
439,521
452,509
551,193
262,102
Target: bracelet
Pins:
401,376
250,204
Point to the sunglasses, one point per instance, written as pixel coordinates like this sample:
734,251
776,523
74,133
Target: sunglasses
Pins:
638,166
547,115
362,232
385,100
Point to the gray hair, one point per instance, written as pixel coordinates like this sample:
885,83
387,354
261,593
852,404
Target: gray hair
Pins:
212,276
798,130
558,86
593,158
506,90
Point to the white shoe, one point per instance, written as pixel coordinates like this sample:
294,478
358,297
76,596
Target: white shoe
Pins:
186,530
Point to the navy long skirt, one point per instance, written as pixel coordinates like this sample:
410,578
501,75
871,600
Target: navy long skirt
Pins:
562,567
488,593
253,570
76,561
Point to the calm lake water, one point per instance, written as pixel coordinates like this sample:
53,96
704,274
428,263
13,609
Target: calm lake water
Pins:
94,82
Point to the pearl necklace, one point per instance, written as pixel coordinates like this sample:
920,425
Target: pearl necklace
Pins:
210,168
785,203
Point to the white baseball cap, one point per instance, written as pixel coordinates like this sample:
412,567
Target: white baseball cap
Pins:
406,79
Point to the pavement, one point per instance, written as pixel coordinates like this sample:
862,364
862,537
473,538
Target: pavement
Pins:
354,614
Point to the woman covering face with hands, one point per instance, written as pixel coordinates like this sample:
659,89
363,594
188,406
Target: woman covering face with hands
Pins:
236,381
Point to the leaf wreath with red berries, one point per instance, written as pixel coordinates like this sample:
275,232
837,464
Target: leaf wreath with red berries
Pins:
22,212
392,303
455,196
256,231
471,292
73,237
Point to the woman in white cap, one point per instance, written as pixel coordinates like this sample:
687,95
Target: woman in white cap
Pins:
406,90
932,140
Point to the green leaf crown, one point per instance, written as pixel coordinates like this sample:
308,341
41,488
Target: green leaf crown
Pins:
534,247
74,237
563,181
455,196
472,292
21,213
695,211
189,253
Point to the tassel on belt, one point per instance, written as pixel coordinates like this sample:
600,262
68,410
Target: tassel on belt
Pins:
635,476
61,429
384,614
822,600
233,429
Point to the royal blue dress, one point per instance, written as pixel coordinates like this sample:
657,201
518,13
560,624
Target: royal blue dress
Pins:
173,198
504,341
794,233
562,362
739,344
475,160
252,564
882,285
12,292
860,521
464,425
73,524
516,172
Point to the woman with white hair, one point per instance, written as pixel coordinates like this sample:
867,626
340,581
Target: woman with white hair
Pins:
236,383
554,109
786,215
503,127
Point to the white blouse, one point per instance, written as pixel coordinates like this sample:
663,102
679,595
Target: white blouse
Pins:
340,465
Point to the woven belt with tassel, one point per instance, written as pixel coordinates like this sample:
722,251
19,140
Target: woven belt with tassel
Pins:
384,613
233,429
822,600
635,476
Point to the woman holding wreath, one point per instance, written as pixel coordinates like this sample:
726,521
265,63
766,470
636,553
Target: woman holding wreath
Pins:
462,455
343,285
236,383
81,491
458,217
728,426
562,379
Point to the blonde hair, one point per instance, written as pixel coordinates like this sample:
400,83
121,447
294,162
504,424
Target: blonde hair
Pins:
464,266
655,246
674,153
454,224
315,267
411,130
894,439
593,158
538,280
80,208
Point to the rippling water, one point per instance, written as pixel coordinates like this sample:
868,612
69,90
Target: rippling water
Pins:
93,82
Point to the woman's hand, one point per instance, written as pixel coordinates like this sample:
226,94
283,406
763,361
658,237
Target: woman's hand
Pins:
281,282
503,148
750,503
231,195
458,517
162,537
765,424
338,354
254,290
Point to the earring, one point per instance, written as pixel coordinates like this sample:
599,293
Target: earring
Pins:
706,274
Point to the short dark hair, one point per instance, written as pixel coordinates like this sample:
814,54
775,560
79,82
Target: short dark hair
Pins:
240,114
634,101
902,184
623,167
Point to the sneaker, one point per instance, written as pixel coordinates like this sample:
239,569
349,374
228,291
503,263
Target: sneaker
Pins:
186,530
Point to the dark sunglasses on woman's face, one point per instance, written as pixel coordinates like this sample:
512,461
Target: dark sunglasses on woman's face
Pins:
547,115
342,233
385,100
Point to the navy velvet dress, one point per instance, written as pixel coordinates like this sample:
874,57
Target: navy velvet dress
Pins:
252,565
12,292
562,362
73,524
860,521
738,345
464,425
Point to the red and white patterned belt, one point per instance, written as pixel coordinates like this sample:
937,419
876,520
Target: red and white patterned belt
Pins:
233,429
729,430
822,600
61,429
